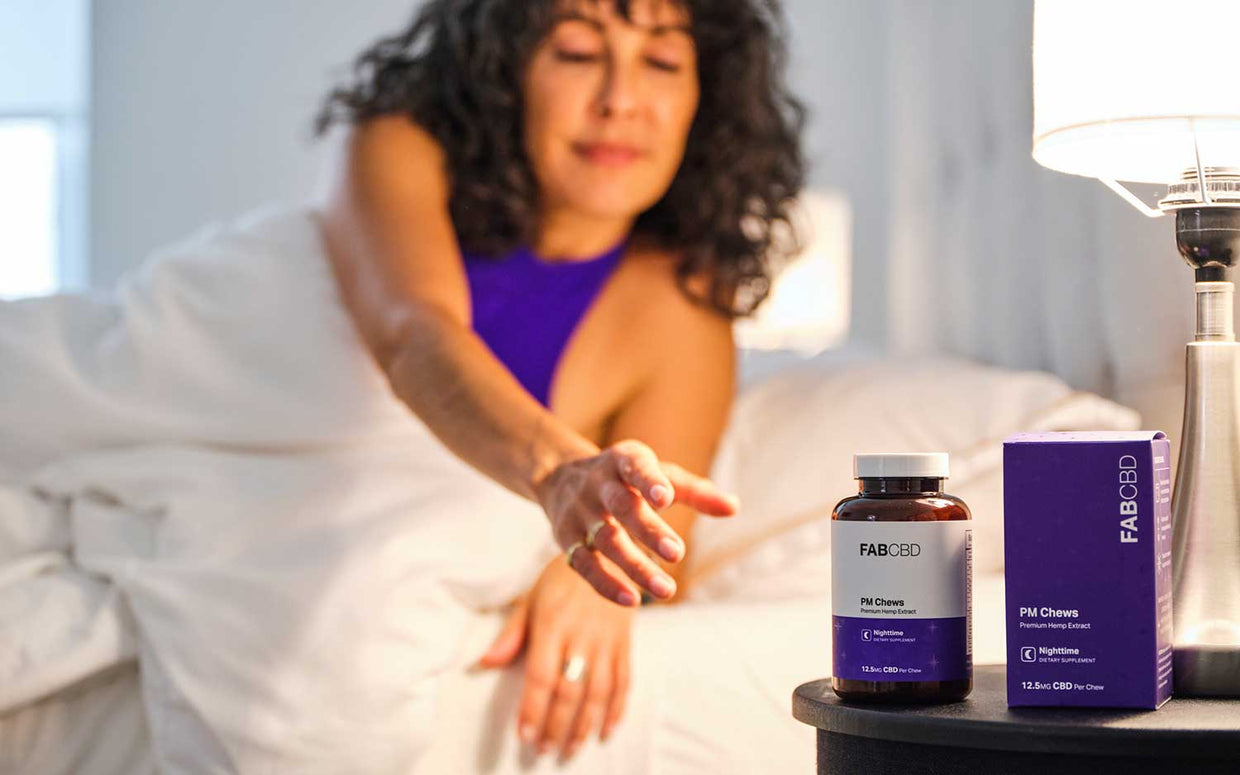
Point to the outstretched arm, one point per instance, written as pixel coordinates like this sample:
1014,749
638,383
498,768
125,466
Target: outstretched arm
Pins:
395,256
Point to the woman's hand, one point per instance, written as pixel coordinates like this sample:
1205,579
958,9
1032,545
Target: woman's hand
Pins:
609,500
577,668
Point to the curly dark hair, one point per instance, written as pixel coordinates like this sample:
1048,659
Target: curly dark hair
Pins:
456,70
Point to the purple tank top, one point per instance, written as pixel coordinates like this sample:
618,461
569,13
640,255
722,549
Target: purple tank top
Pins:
526,308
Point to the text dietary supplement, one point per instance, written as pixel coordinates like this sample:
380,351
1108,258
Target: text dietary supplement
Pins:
901,584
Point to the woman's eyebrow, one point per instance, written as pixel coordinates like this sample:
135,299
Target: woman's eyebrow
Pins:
655,30
661,29
576,16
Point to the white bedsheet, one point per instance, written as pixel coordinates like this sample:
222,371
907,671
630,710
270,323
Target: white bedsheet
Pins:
711,693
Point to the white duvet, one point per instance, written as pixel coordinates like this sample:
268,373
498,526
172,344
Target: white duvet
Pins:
209,474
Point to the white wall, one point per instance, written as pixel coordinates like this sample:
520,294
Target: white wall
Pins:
995,258
203,110
921,114
42,56
837,67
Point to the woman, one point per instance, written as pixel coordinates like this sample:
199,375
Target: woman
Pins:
547,217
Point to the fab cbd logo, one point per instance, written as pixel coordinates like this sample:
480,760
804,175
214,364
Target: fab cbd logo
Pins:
890,550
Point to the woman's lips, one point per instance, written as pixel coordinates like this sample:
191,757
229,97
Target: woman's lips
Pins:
607,154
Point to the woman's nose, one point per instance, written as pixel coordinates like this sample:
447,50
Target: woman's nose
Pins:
619,94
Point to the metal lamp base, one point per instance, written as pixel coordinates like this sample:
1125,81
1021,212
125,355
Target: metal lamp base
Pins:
1206,671
1205,551
1206,505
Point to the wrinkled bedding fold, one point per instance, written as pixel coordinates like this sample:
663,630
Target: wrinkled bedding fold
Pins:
207,473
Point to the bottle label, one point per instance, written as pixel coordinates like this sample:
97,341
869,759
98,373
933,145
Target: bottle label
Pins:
900,599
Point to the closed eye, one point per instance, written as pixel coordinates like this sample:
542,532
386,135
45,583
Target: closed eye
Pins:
575,56
659,64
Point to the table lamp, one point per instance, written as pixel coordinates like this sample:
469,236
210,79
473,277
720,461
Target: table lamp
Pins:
1147,91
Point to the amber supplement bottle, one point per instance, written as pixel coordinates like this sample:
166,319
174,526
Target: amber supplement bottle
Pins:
901,584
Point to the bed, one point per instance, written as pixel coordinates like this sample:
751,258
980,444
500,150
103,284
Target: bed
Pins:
146,430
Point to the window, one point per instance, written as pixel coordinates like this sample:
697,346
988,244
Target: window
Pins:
44,88
29,231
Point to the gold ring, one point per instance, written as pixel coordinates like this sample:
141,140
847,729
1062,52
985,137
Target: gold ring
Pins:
568,553
574,668
590,536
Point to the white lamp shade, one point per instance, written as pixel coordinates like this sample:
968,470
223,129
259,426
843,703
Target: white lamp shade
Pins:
1120,87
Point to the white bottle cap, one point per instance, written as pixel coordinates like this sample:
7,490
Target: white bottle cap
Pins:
900,465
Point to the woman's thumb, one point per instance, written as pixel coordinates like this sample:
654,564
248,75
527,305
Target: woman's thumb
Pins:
508,644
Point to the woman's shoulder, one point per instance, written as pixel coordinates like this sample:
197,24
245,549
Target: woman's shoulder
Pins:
685,348
659,270
677,314
395,140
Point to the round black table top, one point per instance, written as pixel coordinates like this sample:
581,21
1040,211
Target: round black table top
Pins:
1181,727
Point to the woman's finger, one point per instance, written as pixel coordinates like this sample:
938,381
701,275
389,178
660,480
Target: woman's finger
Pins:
570,692
508,643
640,521
619,692
638,466
542,673
616,545
608,582
700,493
594,707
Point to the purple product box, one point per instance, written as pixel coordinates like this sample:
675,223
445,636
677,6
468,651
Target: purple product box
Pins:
1087,554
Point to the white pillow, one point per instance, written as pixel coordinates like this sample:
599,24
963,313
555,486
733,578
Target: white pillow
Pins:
787,452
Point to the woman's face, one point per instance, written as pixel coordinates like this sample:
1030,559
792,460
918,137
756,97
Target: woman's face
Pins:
608,106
